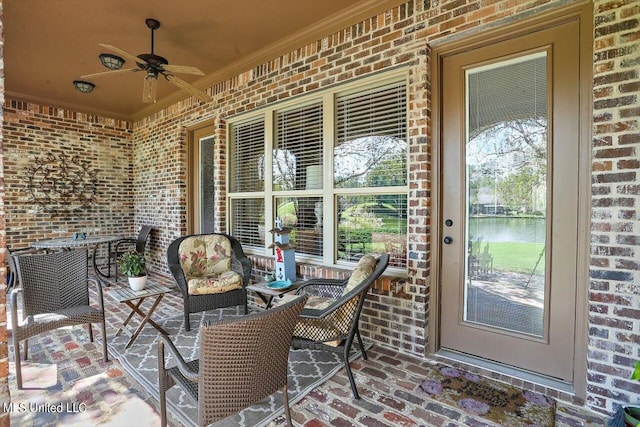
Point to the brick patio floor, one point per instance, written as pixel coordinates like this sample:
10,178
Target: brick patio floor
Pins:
66,369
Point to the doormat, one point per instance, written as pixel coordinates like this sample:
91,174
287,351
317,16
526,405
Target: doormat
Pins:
497,402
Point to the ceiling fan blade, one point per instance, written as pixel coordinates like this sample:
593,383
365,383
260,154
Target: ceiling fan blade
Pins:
123,53
106,73
183,69
186,86
149,89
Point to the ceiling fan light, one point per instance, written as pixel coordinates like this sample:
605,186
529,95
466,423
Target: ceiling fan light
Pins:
82,86
112,62
150,88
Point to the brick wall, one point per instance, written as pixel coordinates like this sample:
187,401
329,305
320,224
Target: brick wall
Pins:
32,131
397,311
4,349
615,221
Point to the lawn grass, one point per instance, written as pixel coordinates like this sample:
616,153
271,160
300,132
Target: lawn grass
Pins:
516,257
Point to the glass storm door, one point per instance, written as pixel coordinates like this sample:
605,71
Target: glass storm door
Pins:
509,211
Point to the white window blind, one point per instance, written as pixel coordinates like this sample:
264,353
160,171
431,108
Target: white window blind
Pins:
297,153
246,171
371,146
247,221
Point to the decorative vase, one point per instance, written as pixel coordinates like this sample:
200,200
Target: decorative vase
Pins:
137,283
632,416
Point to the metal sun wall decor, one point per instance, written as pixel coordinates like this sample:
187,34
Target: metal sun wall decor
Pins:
62,184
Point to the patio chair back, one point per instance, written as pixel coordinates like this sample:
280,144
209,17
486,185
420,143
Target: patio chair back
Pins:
55,294
333,325
242,361
53,282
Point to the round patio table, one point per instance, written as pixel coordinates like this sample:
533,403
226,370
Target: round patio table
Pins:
68,243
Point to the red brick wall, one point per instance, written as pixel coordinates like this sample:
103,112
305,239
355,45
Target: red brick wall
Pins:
614,324
397,312
32,131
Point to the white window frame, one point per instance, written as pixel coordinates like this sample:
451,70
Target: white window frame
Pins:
328,193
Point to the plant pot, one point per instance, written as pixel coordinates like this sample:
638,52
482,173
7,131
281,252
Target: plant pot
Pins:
138,283
632,416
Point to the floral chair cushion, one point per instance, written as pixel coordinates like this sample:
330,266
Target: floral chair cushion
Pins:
206,263
363,269
224,282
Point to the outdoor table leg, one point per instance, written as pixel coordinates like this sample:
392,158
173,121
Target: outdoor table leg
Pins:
134,310
264,299
147,318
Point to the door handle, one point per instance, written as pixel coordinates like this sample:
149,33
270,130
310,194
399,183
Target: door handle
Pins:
448,240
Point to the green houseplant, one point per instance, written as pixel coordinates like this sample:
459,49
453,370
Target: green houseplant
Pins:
134,265
632,413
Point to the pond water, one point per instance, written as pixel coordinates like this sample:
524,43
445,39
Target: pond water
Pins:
506,229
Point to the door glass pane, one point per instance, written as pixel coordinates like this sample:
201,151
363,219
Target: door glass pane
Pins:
207,211
507,181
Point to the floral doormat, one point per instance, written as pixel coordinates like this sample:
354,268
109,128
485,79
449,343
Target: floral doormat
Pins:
500,403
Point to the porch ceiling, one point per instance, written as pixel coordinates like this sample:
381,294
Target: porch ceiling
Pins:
48,44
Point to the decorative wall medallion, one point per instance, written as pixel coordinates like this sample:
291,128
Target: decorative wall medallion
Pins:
62,184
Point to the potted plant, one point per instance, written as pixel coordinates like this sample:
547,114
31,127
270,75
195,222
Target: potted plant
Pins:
632,413
133,265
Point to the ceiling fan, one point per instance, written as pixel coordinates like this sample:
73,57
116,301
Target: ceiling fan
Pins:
154,66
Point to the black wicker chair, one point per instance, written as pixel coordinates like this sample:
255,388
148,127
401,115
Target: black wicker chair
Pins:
55,294
196,303
334,326
241,362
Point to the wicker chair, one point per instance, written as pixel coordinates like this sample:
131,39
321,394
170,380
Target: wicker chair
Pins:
12,274
124,245
193,303
242,361
330,320
55,294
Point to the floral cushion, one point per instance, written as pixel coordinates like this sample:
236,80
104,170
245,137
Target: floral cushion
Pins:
214,284
363,269
206,263
208,255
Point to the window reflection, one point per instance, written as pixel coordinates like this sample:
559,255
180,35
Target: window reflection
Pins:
373,161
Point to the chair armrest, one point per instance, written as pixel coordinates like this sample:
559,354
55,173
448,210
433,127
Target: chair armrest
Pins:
331,288
178,276
123,242
13,303
100,294
180,363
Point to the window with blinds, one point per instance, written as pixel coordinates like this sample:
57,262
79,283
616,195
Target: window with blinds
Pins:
277,163
246,171
297,152
371,147
247,221
372,224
